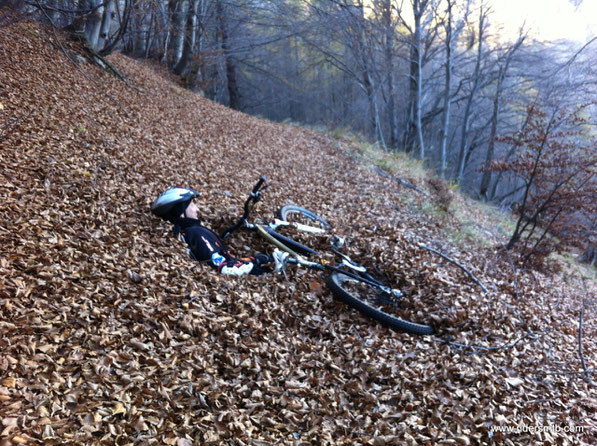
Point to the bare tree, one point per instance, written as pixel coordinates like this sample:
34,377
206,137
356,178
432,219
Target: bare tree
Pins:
420,39
189,38
451,32
475,82
503,70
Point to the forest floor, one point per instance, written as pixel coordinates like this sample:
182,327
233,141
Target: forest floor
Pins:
111,335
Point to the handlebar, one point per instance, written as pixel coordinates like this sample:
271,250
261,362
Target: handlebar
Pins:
256,188
254,197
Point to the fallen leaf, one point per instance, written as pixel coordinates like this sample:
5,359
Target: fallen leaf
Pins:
515,382
119,408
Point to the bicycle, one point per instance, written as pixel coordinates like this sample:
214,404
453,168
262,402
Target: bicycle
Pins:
348,281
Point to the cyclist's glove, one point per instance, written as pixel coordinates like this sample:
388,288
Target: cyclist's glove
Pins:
240,267
237,269
262,259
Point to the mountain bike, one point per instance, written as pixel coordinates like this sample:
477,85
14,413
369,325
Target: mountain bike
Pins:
348,281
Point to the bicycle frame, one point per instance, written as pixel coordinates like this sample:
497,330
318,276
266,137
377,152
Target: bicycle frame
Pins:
266,230
298,226
347,280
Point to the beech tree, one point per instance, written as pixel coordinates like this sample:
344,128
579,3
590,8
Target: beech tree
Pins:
421,36
475,82
503,66
557,169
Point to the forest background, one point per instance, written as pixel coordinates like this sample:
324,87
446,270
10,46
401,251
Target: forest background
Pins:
496,110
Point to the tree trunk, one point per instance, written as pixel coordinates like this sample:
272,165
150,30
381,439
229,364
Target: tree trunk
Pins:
372,126
79,20
105,26
189,41
590,255
150,36
93,25
468,109
233,92
508,156
140,39
176,8
486,180
167,25
389,55
447,99
418,105
414,141
417,79
361,54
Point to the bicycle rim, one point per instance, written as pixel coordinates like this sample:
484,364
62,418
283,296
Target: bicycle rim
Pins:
297,214
374,303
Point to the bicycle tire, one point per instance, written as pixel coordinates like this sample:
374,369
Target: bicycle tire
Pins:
337,284
285,213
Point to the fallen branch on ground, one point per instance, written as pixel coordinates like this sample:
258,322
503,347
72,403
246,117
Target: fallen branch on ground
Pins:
476,347
568,372
513,272
451,260
580,353
100,166
580,322
101,61
400,181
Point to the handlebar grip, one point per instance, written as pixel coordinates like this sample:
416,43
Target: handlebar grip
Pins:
259,184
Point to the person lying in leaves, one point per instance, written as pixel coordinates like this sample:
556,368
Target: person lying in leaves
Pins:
176,206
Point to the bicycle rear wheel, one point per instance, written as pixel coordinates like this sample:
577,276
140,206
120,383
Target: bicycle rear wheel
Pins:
373,302
297,214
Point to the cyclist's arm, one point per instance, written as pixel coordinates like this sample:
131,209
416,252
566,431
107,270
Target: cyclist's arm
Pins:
204,247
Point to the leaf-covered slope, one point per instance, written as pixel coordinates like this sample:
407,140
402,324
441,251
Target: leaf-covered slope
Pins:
110,334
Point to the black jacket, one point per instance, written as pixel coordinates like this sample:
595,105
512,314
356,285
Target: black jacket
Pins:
201,242
204,245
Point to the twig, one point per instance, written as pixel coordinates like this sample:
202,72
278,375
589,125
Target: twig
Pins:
197,296
401,214
490,348
568,373
449,259
98,167
93,82
400,181
580,322
6,129
580,353
513,271
93,56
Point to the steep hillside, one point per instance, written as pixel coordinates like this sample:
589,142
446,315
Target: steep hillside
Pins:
111,335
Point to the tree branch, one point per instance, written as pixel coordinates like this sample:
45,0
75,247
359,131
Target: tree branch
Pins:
400,181
451,260
476,347
580,322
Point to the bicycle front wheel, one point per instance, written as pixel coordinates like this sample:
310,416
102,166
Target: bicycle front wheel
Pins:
297,214
372,301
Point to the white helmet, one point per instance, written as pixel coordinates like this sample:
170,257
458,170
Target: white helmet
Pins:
172,203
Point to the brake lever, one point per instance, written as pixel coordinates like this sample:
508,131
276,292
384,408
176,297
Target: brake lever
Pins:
256,195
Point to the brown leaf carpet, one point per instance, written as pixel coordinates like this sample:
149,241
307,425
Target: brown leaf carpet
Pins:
111,335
